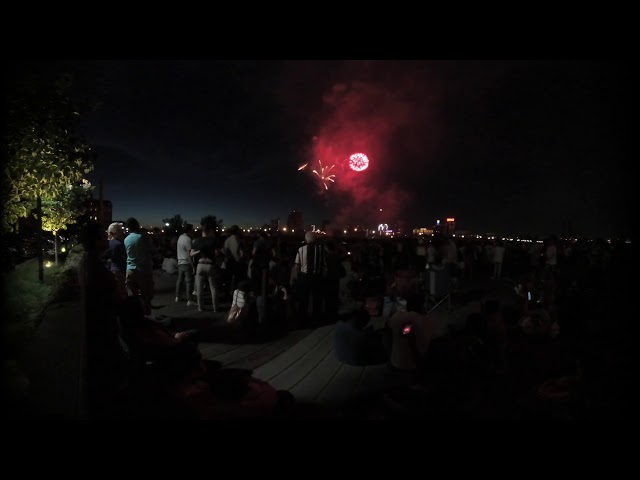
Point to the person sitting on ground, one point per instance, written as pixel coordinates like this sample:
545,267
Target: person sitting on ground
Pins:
228,394
170,265
411,334
241,304
538,360
358,344
150,341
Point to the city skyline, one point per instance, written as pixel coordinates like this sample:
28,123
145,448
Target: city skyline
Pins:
518,146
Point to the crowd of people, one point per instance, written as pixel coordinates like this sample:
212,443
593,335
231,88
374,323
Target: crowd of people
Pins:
530,355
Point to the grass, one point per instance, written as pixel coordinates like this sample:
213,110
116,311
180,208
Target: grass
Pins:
25,298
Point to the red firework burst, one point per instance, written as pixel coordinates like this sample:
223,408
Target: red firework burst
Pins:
358,162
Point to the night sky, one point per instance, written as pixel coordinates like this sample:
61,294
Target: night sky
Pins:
503,146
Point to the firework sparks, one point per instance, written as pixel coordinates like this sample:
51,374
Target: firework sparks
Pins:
302,167
358,162
324,175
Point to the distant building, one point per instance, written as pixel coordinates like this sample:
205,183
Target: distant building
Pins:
450,227
423,231
295,221
100,211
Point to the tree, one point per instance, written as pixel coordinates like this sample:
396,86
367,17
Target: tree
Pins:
44,154
174,223
65,209
43,151
211,222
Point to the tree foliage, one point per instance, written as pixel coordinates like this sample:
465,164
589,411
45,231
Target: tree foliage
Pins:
175,223
65,209
211,222
44,153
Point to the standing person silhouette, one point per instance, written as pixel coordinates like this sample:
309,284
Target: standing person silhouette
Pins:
185,264
498,259
233,252
311,266
118,257
139,278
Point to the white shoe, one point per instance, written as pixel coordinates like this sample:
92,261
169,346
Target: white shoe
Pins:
177,299
191,303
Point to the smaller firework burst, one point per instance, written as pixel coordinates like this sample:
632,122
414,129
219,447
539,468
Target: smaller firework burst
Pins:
324,175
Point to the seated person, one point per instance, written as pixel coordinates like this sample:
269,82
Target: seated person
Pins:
219,395
170,265
405,284
150,341
411,334
242,311
534,351
357,344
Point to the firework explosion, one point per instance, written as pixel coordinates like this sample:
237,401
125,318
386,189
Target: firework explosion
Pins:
324,174
358,162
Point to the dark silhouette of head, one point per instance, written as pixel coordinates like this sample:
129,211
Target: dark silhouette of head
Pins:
360,318
92,237
309,237
132,224
244,285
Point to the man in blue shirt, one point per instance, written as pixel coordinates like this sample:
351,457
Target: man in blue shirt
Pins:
139,279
